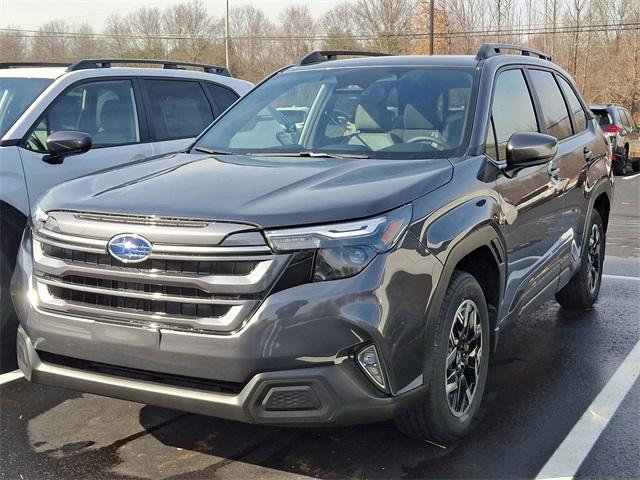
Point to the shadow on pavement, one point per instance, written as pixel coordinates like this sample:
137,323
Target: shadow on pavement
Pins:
541,368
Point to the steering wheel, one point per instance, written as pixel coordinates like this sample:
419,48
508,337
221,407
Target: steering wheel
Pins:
436,142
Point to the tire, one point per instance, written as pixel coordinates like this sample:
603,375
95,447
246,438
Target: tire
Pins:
6,306
636,165
582,290
620,167
435,419
8,318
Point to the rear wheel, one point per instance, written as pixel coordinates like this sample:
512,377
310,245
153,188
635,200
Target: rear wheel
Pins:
620,166
458,366
636,165
583,289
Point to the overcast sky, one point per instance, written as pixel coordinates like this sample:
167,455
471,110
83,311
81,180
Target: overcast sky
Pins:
30,14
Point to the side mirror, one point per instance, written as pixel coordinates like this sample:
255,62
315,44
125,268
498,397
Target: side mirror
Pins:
65,143
530,148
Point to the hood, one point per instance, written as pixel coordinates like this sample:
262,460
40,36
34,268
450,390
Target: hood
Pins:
267,192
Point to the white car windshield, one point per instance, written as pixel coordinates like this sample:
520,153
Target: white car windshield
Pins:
16,94
376,112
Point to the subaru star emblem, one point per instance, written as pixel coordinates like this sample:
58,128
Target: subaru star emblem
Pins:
129,248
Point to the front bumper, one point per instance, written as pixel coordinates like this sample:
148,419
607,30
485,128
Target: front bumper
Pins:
336,394
301,340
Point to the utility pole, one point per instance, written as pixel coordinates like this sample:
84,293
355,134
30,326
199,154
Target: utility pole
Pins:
431,25
226,36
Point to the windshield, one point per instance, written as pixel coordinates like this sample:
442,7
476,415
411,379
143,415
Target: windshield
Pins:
16,94
374,112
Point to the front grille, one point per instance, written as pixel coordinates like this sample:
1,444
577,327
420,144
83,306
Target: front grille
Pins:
183,285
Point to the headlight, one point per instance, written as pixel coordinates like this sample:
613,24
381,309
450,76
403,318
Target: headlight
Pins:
344,249
39,218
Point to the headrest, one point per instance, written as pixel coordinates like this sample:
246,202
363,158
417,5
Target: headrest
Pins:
372,118
114,115
414,120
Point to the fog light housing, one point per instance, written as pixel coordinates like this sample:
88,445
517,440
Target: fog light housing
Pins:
369,361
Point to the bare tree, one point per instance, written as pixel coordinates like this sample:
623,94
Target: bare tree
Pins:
253,55
584,36
118,42
13,45
386,23
297,29
195,30
50,42
575,13
339,28
85,44
146,27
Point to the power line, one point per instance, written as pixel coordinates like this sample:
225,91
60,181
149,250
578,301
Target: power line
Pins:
23,33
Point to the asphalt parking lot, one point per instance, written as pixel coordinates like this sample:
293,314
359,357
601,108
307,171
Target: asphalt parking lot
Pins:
545,385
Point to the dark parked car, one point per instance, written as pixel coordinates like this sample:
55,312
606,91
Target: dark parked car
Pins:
618,124
358,267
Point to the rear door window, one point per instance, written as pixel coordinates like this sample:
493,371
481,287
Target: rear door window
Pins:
602,116
554,110
630,122
512,111
178,108
623,117
577,112
223,96
106,110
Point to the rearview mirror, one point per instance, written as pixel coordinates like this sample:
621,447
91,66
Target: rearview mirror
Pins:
65,143
530,148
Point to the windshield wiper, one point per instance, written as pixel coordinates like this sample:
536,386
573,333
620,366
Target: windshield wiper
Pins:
211,151
310,154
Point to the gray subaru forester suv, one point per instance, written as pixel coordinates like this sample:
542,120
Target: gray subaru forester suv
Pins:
356,265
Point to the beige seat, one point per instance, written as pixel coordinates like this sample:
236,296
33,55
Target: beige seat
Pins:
415,124
373,127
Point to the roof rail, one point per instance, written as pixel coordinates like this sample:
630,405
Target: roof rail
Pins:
492,49
168,64
4,65
326,55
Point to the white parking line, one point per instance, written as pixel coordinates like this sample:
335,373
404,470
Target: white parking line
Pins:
631,176
621,277
10,376
566,460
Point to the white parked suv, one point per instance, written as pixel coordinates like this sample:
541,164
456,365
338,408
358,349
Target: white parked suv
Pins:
126,113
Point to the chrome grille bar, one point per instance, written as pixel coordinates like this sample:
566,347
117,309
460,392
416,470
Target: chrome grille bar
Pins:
227,323
158,251
257,281
160,297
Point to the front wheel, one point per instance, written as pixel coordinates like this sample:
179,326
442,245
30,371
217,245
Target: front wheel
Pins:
457,371
582,290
